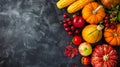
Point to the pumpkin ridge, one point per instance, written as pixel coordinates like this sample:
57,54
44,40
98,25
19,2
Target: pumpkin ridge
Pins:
94,5
91,39
112,63
118,40
109,32
89,19
88,7
118,30
95,20
97,36
110,40
98,17
92,32
87,15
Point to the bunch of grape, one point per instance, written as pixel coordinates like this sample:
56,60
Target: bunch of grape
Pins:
69,27
109,20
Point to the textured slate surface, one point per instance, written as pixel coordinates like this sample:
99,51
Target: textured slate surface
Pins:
31,35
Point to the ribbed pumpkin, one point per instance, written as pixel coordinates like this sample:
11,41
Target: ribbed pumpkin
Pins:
112,36
92,33
93,13
104,56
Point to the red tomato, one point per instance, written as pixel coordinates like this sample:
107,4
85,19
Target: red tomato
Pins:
77,40
85,60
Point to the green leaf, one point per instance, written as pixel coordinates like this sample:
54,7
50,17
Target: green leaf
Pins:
114,19
118,16
117,7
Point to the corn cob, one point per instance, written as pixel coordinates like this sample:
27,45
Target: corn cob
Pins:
64,3
78,5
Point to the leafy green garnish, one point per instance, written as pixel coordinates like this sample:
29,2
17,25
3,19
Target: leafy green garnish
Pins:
114,19
118,16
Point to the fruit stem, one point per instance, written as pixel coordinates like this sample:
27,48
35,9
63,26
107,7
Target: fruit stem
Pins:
95,11
105,57
100,27
85,49
115,34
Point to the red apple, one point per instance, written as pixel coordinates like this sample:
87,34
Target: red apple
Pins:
76,40
85,60
85,49
109,3
78,21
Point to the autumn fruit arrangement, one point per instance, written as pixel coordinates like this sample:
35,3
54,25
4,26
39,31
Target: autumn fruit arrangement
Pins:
95,29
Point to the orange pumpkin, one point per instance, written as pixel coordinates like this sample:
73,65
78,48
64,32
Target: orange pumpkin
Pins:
93,13
112,36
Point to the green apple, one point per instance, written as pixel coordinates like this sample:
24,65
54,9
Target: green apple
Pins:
85,49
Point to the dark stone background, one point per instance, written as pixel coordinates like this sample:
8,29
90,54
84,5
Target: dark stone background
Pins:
31,35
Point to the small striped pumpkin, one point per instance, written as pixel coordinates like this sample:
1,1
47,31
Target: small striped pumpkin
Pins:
92,33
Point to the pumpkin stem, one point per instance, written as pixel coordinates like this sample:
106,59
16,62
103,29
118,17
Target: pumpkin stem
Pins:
95,11
105,57
100,27
115,34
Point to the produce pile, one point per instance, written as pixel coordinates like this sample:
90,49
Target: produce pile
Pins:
89,22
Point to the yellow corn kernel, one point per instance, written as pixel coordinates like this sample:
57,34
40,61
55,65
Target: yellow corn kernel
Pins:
78,5
64,3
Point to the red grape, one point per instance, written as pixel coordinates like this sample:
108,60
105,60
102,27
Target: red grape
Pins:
70,23
64,15
77,31
67,29
65,24
72,27
112,22
106,17
112,16
106,21
112,26
64,21
107,25
69,33
68,19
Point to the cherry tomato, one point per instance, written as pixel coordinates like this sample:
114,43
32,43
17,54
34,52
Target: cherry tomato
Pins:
76,40
85,60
